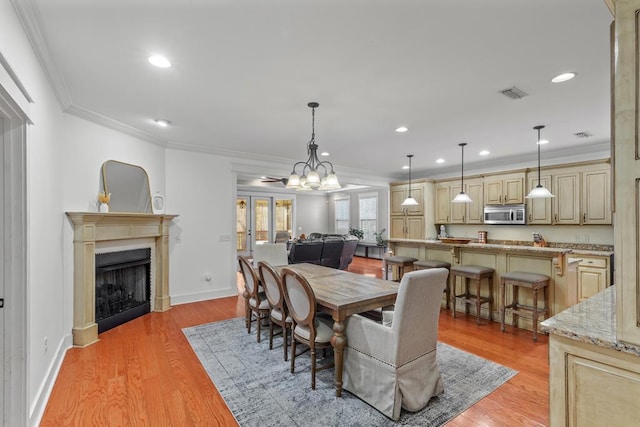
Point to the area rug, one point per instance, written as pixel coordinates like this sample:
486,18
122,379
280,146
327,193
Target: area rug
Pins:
256,384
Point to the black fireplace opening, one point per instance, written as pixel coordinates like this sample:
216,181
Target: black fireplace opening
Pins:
123,287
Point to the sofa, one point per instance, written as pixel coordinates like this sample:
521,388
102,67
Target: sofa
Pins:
329,250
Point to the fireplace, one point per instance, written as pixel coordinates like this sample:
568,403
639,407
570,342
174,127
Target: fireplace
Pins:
123,287
105,233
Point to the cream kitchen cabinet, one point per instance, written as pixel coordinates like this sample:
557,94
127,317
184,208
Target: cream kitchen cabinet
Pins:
459,213
596,196
504,189
594,275
399,192
407,227
539,210
566,204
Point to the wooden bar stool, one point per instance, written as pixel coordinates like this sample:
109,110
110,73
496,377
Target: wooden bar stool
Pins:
427,264
401,262
477,273
532,281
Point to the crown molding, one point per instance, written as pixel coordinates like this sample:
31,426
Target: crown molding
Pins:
114,124
29,16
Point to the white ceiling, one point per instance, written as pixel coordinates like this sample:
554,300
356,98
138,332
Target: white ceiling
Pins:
244,70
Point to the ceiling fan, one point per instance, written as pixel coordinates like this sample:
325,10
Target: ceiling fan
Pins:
270,179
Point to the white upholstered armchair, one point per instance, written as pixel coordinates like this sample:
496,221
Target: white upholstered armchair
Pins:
394,367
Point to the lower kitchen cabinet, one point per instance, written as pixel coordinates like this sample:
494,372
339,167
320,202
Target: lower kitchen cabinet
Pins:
593,276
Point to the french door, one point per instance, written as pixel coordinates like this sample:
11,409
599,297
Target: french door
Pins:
258,217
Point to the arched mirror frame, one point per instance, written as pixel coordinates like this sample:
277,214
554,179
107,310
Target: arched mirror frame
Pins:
128,185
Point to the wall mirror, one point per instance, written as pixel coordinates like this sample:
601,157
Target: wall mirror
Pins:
128,185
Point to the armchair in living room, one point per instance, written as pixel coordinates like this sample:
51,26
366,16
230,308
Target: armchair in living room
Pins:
394,367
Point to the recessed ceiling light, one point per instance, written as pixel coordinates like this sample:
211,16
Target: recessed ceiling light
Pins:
405,167
162,123
402,129
159,61
484,153
543,141
440,161
563,77
324,153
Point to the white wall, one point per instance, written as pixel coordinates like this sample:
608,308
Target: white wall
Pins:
200,189
311,214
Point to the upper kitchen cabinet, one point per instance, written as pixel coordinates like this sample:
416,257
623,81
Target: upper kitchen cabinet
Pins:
596,196
475,209
539,210
566,204
459,213
443,203
504,189
399,192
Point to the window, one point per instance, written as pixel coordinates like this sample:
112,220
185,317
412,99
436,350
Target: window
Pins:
342,216
369,216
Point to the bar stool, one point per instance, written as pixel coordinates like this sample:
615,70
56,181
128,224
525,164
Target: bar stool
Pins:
427,264
477,273
532,281
399,261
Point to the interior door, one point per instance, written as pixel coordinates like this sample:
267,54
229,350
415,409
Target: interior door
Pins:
261,220
283,215
243,221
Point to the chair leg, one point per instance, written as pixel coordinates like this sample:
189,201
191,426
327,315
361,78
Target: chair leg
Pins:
490,280
478,282
503,303
447,291
453,296
313,368
259,322
249,317
466,295
293,353
285,343
271,335
535,314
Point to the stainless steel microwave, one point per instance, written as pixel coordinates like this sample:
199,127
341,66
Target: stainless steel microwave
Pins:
506,214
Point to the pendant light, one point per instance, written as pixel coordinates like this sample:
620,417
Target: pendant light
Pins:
462,197
539,192
409,201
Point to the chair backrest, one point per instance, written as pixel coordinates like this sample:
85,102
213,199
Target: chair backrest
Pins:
348,250
273,253
272,284
417,310
300,299
250,277
282,236
306,251
331,251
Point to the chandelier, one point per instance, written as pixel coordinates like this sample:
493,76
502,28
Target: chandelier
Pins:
539,192
310,178
462,197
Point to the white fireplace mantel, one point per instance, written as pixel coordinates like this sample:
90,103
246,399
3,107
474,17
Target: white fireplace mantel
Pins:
92,227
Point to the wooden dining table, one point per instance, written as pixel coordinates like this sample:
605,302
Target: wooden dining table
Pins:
342,293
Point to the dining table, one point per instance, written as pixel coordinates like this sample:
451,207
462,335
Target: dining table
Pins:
342,294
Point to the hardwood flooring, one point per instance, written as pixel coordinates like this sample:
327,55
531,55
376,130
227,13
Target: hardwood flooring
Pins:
144,373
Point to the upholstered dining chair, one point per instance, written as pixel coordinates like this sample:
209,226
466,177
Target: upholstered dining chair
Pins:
279,315
312,330
282,236
255,300
394,367
273,253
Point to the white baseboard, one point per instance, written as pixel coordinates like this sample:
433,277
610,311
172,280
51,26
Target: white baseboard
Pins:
203,296
42,397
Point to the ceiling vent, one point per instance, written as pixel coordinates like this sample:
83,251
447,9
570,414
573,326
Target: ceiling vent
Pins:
583,134
514,93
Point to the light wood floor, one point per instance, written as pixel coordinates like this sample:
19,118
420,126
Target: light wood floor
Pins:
144,373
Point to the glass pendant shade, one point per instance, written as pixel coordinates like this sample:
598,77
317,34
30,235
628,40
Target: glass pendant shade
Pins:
409,201
294,181
539,192
462,197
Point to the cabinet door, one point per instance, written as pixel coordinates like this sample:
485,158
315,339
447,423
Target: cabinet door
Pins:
417,192
493,192
591,281
596,197
539,210
566,204
475,209
397,230
397,194
443,204
512,190
458,210
415,227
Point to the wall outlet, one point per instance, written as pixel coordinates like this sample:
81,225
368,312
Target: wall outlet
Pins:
207,277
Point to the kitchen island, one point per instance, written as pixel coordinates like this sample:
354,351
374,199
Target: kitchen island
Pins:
558,263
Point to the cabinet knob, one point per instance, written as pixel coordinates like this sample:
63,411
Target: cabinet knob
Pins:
500,198
584,217
530,218
555,218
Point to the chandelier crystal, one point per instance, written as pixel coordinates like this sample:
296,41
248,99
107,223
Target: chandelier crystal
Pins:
316,174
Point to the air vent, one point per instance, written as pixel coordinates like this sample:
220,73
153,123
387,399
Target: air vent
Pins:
583,134
514,93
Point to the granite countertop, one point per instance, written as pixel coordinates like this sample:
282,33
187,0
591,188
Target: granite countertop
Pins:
592,321
591,252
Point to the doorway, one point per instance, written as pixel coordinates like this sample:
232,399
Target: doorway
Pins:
259,217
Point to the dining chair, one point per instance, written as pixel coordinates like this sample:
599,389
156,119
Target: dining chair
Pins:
255,301
394,367
314,331
282,236
273,253
272,285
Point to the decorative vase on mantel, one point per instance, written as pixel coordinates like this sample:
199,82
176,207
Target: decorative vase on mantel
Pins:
104,208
